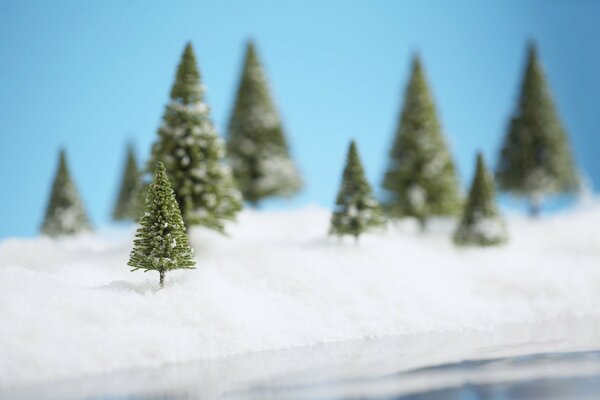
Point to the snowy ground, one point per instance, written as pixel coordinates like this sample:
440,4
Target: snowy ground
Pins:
71,307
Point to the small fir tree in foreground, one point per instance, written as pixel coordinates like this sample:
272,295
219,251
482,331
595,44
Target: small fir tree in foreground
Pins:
161,242
256,145
481,224
65,214
356,210
536,159
193,153
420,180
129,181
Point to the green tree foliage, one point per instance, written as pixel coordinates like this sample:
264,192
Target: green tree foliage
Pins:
130,179
420,180
536,159
256,143
193,153
65,214
356,210
481,224
161,242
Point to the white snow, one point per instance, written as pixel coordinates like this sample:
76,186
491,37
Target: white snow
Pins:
71,306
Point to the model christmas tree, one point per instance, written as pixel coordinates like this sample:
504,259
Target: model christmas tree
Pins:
536,159
421,179
193,153
129,182
481,224
65,214
161,242
256,143
356,210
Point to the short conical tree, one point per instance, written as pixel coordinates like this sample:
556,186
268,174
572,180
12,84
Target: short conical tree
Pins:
481,223
420,180
356,210
129,181
65,214
535,159
161,242
193,153
256,144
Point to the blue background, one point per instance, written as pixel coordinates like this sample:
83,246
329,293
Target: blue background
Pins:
90,75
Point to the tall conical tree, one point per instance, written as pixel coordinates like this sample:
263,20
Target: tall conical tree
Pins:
256,143
481,224
129,181
536,159
356,210
161,242
137,200
193,153
65,214
420,180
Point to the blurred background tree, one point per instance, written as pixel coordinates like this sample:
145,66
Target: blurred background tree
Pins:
256,144
193,153
356,211
481,223
536,159
420,180
65,214
129,181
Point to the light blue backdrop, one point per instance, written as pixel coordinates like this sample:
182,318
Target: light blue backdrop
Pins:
90,75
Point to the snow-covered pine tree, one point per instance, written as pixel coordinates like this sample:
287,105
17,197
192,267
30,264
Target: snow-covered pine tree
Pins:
356,210
420,180
129,181
256,144
536,159
193,153
161,242
65,214
481,223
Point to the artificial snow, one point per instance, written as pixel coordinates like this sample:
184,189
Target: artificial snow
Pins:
71,306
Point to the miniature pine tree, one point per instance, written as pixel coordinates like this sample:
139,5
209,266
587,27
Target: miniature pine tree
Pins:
129,181
256,145
535,159
161,242
481,224
193,153
356,209
65,214
420,180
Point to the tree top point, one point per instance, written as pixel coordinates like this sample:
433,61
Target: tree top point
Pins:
480,160
251,49
160,167
416,60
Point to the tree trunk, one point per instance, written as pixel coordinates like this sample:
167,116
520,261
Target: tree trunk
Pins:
534,206
162,279
422,224
356,240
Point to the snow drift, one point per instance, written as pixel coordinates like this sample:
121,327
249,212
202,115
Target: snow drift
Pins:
71,307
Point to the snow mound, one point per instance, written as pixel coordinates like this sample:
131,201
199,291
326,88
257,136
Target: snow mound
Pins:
71,307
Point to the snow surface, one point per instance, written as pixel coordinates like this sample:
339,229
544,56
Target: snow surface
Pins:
70,306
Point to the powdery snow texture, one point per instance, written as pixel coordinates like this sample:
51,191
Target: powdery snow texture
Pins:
71,307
